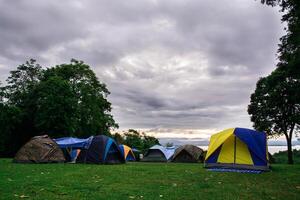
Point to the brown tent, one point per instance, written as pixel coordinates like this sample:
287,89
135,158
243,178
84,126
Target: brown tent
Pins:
40,149
188,153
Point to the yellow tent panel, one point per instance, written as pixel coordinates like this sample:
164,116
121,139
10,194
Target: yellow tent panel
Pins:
227,152
243,155
217,140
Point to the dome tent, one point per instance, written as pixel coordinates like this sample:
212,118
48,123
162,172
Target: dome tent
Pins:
102,150
40,149
127,152
188,153
238,148
158,153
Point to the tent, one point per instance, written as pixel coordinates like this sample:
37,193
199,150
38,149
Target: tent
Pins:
238,148
71,146
158,153
188,153
102,150
127,152
40,149
137,154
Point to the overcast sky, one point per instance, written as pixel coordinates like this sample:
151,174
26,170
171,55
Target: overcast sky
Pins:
174,68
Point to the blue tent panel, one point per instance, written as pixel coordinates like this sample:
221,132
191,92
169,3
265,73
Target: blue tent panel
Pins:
247,171
107,147
122,149
214,157
256,142
71,142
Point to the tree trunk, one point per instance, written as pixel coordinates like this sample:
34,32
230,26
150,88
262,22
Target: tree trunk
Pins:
289,147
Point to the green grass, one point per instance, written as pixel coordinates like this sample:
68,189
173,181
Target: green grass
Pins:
143,181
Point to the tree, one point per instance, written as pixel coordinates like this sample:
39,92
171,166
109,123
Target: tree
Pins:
65,100
10,118
138,140
274,106
21,82
169,144
134,139
92,107
118,138
56,108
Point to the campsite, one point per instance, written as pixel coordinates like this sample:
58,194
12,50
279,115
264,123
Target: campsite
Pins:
151,99
105,170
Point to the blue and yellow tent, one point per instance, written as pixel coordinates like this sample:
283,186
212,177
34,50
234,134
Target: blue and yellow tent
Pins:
238,148
127,152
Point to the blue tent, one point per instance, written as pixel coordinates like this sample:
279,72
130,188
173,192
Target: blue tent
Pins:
238,148
75,143
102,150
72,146
127,152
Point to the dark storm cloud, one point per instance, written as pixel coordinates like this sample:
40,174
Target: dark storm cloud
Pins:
168,64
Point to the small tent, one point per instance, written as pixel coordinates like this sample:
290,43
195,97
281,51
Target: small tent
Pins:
188,153
71,146
40,149
238,148
127,152
158,153
102,150
137,154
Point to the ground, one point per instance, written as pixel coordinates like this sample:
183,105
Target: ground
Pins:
143,181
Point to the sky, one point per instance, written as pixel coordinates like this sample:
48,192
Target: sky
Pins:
175,69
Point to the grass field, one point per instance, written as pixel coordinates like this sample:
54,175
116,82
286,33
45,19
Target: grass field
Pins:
143,181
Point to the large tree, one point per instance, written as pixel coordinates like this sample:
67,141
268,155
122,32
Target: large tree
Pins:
92,109
65,100
275,104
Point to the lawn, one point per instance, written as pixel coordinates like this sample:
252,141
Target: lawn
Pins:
143,181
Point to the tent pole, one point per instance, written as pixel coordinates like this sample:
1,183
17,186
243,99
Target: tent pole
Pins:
234,149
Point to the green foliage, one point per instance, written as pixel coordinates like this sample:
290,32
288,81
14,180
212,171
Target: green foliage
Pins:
275,104
118,138
56,108
92,110
169,144
143,181
281,157
135,139
10,118
65,100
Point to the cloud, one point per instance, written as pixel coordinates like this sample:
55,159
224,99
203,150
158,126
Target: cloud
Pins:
175,65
